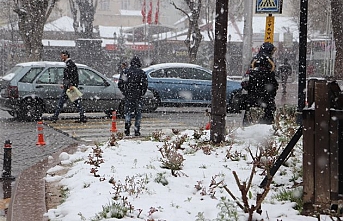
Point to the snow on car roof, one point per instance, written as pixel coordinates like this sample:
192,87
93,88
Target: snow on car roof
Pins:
171,65
168,65
46,63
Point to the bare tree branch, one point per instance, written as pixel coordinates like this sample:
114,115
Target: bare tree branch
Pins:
180,9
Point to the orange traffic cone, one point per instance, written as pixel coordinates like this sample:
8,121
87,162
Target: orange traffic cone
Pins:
114,122
40,133
208,126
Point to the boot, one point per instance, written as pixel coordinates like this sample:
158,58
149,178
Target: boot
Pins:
137,133
127,129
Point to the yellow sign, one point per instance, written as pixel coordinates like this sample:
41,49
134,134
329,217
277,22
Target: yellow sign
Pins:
269,32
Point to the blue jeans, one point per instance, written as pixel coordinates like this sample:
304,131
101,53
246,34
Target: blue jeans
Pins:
62,100
133,107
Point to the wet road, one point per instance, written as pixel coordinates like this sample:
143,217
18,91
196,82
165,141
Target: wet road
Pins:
65,132
98,128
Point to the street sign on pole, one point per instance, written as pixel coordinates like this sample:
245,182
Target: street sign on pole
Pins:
268,6
269,32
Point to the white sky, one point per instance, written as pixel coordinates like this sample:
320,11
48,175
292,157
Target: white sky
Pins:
179,199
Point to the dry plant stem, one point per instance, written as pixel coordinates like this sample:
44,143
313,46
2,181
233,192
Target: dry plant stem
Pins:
233,197
251,176
252,156
265,192
243,189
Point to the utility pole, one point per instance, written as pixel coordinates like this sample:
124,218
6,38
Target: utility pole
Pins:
302,58
218,105
247,34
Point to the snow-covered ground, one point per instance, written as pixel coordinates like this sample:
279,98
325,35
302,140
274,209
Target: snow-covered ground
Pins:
131,178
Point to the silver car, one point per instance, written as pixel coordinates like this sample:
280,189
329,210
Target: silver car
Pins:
30,89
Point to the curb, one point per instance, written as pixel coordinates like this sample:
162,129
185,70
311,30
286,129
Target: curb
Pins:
28,196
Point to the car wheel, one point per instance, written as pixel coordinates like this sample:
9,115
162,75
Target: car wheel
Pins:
152,108
30,110
234,105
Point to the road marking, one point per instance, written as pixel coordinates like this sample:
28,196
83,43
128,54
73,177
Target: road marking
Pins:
99,129
267,4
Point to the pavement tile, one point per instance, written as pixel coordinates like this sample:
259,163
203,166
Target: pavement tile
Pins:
28,196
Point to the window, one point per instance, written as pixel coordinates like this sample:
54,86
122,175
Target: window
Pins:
51,76
104,5
90,78
158,74
185,73
200,74
11,73
172,73
31,75
125,4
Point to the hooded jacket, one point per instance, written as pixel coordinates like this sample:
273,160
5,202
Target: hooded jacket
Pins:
263,60
262,82
133,82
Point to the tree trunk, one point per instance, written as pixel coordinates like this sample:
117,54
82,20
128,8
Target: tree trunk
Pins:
32,17
337,27
83,12
193,40
218,110
194,36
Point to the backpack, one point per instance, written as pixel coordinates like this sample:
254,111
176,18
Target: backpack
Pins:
261,62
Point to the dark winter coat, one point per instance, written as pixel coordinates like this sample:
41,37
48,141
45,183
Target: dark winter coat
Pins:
70,75
133,82
285,70
262,82
263,60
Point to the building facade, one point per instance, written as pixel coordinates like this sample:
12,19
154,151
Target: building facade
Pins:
126,13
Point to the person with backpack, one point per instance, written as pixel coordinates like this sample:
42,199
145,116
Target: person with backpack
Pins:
284,71
133,83
262,85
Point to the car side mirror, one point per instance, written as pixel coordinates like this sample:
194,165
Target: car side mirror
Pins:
107,84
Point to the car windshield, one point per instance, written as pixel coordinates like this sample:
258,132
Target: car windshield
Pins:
12,72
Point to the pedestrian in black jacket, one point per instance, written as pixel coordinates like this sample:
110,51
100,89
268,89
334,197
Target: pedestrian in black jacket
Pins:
133,83
70,78
262,85
284,71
